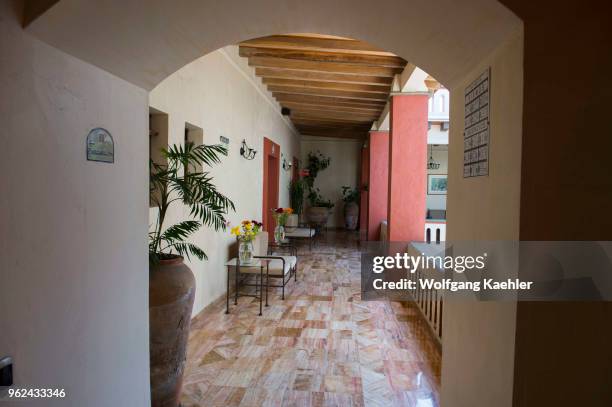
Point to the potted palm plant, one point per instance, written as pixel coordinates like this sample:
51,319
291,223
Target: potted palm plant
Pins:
171,283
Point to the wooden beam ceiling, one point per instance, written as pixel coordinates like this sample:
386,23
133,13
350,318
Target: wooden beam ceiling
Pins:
308,84
307,42
365,59
318,66
339,93
327,100
273,73
334,87
361,109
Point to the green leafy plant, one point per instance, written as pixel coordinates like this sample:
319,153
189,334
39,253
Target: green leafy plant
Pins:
350,194
297,189
182,181
315,199
316,162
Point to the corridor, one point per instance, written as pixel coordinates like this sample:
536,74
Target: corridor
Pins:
321,346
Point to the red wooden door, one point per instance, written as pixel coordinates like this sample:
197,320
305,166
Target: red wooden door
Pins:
271,173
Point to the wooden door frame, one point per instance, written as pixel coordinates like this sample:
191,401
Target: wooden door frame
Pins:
270,150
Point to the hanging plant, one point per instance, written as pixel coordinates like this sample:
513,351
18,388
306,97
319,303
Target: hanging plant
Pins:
316,162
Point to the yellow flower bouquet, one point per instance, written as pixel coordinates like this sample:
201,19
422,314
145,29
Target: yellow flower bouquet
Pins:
247,230
245,234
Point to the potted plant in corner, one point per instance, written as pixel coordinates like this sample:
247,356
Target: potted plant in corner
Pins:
171,282
319,210
350,196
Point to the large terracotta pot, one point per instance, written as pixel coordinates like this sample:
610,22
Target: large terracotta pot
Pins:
351,215
171,294
318,215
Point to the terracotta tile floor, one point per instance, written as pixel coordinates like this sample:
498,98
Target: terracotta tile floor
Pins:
321,346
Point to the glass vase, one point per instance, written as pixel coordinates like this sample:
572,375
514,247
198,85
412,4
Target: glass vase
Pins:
279,234
245,251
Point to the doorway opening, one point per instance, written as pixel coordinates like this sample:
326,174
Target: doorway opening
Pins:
271,173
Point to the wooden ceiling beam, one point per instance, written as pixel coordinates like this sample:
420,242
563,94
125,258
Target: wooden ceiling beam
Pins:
274,73
337,134
314,117
316,56
334,113
327,100
326,85
339,120
315,66
344,94
320,130
322,123
311,43
337,108
340,115
312,128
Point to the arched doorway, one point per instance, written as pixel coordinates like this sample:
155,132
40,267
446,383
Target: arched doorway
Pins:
452,41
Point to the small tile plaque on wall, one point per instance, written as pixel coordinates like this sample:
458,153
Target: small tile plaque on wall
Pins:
476,135
100,146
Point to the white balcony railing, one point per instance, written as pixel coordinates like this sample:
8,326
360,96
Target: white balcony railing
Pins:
435,231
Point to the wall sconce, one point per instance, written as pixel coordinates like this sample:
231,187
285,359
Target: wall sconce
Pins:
246,151
286,164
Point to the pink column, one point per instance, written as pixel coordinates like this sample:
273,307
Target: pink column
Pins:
378,182
407,167
363,184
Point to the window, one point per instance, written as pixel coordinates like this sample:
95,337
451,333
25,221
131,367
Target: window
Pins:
193,135
158,137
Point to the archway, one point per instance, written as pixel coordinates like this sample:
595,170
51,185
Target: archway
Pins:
144,45
453,41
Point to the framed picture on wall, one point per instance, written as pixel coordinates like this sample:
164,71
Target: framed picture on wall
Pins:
436,184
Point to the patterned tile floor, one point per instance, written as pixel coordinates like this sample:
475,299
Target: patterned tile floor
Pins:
321,346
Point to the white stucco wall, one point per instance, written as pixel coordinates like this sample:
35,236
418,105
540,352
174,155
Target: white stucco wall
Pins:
344,169
479,337
220,94
73,251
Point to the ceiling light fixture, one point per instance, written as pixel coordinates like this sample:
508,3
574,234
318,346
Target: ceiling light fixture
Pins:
432,164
